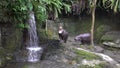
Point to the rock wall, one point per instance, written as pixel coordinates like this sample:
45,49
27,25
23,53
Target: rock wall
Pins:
0,37
52,29
11,37
10,41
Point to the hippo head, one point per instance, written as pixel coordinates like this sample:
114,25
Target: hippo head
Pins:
77,38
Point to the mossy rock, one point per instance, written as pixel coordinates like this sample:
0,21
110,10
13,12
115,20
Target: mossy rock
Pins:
13,40
86,55
111,36
101,30
4,57
106,38
42,33
49,34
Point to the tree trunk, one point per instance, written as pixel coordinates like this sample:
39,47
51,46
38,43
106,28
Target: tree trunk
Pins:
46,26
93,21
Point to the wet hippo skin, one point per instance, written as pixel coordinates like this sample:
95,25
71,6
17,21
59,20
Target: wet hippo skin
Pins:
83,38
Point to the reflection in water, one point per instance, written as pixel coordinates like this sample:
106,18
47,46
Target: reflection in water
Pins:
75,26
30,65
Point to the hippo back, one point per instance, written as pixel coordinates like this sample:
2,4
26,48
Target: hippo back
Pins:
83,38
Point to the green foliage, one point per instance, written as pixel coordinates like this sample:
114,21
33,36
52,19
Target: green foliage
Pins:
56,6
13,11
39,10
16,11
112,4
66,7
21,25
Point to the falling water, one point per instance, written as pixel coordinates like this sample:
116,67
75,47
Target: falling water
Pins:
34,51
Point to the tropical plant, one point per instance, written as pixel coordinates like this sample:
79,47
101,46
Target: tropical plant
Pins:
14,11
17,10
111,5
54,7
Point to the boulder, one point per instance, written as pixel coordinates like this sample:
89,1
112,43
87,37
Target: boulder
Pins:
112,36
111,44
98,49
101,30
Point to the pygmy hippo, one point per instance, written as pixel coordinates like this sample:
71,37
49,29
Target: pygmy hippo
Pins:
63,34
83,38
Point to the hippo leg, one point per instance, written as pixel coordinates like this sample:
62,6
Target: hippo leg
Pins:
65,39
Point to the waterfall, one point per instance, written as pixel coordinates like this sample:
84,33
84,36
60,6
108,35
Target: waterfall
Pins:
33,39
34,51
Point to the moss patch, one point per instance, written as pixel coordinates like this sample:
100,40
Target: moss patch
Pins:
86,55
100,31
106,38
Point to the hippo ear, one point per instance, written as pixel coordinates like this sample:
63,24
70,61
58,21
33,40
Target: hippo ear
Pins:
60,24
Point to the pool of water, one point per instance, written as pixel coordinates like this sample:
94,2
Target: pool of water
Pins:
76,26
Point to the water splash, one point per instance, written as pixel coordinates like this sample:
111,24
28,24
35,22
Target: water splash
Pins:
34,53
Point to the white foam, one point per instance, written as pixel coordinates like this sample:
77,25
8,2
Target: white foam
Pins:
34,48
